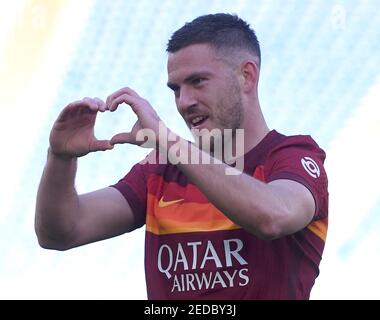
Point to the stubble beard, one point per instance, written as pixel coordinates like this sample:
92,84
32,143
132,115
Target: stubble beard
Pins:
228,115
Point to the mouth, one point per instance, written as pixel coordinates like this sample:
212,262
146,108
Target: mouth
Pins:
196,122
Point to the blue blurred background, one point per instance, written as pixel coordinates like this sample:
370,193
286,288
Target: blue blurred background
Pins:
320,75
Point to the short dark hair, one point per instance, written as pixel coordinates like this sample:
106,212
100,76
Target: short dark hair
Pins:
221,31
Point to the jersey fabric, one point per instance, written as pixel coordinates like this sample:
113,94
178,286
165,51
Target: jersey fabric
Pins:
193,251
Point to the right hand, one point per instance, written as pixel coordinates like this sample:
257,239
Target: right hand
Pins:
72,134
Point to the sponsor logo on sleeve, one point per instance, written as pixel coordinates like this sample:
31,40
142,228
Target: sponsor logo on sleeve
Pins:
311,167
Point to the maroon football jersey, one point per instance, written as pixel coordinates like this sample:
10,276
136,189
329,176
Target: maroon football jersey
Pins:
192,251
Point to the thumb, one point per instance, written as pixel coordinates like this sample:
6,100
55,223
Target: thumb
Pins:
125,137
101,145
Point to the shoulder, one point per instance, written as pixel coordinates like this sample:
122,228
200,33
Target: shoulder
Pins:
297,141
297,157
276,147
299,144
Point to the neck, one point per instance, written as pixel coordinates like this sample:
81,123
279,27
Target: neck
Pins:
243,140
254,130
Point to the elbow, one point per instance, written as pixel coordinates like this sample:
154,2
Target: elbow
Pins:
49,243
272,226
269,231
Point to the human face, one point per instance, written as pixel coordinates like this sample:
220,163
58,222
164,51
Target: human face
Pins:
206,89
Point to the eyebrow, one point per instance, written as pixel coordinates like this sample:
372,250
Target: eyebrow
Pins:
189,78
172,86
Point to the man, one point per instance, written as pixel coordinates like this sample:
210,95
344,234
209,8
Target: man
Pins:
211,232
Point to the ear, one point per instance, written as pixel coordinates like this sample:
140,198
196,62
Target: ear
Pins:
250,73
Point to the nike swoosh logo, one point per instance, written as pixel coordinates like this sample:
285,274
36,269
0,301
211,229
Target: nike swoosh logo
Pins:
163,204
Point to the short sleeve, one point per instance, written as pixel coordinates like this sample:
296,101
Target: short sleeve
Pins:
134,189
300,159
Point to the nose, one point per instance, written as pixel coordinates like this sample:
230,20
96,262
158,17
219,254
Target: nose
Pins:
186,99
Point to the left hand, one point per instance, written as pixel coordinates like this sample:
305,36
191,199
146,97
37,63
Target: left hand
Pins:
147,124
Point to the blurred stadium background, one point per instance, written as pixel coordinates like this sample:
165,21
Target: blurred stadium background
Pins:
320,75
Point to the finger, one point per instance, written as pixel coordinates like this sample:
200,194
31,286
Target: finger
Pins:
101,145
120,92
121,138
131,92
128,99
91,103
100,103
64,114
71,110
86,105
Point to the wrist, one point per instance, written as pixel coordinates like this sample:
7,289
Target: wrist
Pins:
180,151
60,157
174,148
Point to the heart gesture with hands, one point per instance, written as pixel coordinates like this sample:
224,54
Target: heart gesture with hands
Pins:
73,135
147,124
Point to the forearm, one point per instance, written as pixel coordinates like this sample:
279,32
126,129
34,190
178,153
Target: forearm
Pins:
57,200
245,200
